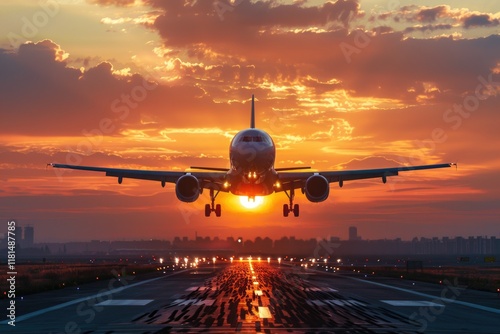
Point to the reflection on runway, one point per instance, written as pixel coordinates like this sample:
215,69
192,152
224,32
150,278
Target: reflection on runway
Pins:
254,296
258,296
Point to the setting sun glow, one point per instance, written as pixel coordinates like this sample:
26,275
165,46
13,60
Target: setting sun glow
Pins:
251,203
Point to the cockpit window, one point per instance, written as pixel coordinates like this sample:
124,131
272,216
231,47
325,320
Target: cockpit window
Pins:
257,139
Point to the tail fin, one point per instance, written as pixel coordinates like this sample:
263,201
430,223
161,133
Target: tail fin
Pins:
252,117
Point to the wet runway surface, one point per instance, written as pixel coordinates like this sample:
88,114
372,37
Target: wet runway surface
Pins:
257,297
260,297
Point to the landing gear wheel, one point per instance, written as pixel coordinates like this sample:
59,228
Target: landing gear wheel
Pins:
208,210
287,208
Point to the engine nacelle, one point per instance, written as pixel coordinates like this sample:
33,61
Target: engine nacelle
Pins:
317,188
187,188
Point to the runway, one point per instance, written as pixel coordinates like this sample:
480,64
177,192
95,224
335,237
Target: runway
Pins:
257,297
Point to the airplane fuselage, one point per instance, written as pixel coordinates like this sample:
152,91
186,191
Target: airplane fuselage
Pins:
252,153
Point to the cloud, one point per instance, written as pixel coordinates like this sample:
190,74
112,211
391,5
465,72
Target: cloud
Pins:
428,27
369,162
40,92
121,3
377,107
431,14
480,20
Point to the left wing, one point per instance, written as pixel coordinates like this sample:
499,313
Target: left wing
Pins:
298,180
205,178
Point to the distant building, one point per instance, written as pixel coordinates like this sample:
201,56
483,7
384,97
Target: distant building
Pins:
353,233
29,236
19,234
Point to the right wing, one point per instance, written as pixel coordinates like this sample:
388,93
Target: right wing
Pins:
298,179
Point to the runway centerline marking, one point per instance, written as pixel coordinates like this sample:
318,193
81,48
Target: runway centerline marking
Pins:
264,312
447,300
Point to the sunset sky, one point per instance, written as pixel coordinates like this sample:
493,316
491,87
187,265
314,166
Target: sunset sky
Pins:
165,85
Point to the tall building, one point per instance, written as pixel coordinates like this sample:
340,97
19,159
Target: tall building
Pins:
19,234
353,233
29,236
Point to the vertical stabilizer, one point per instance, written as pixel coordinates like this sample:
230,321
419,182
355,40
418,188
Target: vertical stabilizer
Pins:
252,117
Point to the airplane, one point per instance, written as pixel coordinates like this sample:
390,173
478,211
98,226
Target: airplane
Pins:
252,154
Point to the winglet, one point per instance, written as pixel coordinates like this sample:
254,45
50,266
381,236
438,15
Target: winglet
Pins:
252,117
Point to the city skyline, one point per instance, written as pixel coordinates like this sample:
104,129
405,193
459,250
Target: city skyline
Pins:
317,248
338,85
25,235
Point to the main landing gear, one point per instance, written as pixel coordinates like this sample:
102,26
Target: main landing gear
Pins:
209,208
287,208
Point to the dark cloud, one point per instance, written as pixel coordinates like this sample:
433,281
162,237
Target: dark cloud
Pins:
481,20
431,14
42,95
428,27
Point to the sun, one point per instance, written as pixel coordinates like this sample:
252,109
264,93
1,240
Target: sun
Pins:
251,203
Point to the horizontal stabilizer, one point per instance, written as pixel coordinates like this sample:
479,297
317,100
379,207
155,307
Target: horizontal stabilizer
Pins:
290,168
211,168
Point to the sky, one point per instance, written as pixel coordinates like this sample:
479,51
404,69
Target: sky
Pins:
164,85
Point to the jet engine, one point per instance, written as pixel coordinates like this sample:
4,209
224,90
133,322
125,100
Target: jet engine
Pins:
317,188
187,188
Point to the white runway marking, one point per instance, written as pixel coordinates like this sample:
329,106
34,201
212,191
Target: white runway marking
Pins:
125,302
264,312
194,288
315,289
84,299
412,303
337,302
446,300
197,302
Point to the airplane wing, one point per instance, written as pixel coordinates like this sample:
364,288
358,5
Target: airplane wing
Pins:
298,179
206,178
